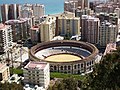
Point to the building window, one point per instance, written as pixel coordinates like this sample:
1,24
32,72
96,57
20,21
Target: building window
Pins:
65,67
74,66
68,67
81,65
61,67
55,68
78,65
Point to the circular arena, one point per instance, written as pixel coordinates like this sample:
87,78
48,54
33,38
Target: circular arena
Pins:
66,56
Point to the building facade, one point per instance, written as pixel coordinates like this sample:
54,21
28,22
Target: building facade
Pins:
71,5
90,29
35,34
26,12
5,37
47,29
20,29
108,33
4,12
13,11
38,10
10,11
37,73
67,25
4,73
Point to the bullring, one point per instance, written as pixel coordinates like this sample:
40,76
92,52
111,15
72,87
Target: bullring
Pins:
66,56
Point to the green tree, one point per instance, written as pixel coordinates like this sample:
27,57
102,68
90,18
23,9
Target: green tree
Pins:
106,74
65,84
10,86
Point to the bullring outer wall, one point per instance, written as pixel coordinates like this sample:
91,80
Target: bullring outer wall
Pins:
73,67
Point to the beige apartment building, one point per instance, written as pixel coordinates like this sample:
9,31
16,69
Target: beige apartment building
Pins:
67,25
47,29
37,73
108,33
4,72
38,10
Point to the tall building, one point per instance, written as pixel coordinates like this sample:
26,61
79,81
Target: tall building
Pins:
117,11
37,73
4,73
86,11
38,10
72,5
10,11
20,29
26,12
5,37
90,29
13,11
4,12
35,34
67,25
47,29
108,33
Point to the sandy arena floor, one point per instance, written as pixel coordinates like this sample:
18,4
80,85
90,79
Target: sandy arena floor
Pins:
62,58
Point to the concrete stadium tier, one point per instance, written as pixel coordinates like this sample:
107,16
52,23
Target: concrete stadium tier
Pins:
66,56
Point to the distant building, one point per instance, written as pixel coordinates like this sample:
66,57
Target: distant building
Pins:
20,29
26,12
108,33
5,37
47,29
90,29
10,11
13,11
35,34
67,25
111,17
4,12
117,11
72,5
4,72
37,73
38,10
86,11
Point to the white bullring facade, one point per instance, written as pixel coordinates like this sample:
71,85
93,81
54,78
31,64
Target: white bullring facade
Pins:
65,56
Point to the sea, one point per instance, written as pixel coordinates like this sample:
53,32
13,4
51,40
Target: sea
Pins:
51,6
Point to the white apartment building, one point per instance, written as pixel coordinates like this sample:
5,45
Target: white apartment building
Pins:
4,73
47,29
37,73
108,33
5,37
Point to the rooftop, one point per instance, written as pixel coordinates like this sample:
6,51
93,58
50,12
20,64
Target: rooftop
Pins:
38,65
